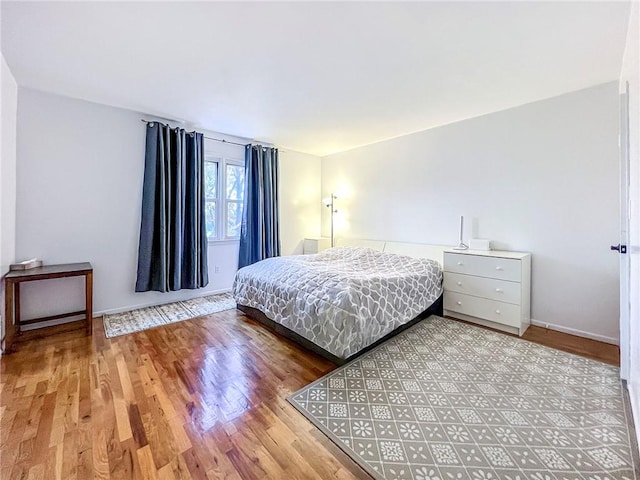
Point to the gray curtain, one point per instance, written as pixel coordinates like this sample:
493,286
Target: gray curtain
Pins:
172,253
260,231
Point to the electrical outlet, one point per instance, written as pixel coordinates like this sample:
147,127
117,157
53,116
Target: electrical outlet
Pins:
216,269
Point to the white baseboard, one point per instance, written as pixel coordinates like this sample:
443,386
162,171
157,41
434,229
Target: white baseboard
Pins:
153,304
575,331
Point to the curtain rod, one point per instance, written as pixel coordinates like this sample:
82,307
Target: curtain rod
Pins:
208,138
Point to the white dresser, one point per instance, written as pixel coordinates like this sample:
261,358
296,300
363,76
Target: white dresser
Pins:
491,288
315,245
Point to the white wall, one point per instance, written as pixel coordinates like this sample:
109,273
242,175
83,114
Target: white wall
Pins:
300,200
80,171
542,177
631,73
8,107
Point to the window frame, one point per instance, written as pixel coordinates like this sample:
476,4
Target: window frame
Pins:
218,161
237,163
221,201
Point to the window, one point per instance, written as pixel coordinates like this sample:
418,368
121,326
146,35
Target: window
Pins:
211,197
235,194
224,194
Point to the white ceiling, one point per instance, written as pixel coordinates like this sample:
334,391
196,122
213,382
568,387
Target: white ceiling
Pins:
315,77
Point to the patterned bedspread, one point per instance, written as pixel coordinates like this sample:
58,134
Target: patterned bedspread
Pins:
342,299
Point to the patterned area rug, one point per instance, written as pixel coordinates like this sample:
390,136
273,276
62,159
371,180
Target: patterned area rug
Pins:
149,317
447,400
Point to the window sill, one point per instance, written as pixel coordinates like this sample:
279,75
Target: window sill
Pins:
222,242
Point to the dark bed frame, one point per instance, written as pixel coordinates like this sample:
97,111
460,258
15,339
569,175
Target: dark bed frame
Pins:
255,314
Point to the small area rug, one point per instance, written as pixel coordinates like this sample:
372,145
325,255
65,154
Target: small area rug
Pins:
144,318
447,400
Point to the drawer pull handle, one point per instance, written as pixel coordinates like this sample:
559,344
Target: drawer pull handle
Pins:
460,263
499,268
459,284
499,290
459,303
498,312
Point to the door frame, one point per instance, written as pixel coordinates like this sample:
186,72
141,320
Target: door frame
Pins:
625,267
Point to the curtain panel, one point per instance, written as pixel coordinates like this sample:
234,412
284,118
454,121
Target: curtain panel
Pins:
260,230
172,253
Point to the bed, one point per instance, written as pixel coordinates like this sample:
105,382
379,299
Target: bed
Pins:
344,300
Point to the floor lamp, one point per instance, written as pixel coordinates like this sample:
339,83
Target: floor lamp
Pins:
329,203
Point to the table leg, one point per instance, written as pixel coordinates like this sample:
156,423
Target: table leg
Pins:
16,299
9,326
88,283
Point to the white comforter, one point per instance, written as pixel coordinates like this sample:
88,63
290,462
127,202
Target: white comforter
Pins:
342,299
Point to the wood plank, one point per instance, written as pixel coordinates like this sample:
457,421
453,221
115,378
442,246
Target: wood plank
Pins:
69,467
43,434
148,468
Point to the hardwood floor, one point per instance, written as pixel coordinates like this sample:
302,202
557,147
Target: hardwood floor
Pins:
605,352
200,399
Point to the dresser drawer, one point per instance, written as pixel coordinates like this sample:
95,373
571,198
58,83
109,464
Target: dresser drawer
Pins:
499,312
490,288
492,267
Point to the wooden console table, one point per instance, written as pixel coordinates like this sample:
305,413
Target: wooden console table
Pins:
13,279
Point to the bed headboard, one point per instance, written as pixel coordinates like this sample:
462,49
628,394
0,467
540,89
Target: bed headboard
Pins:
417,250
358,242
